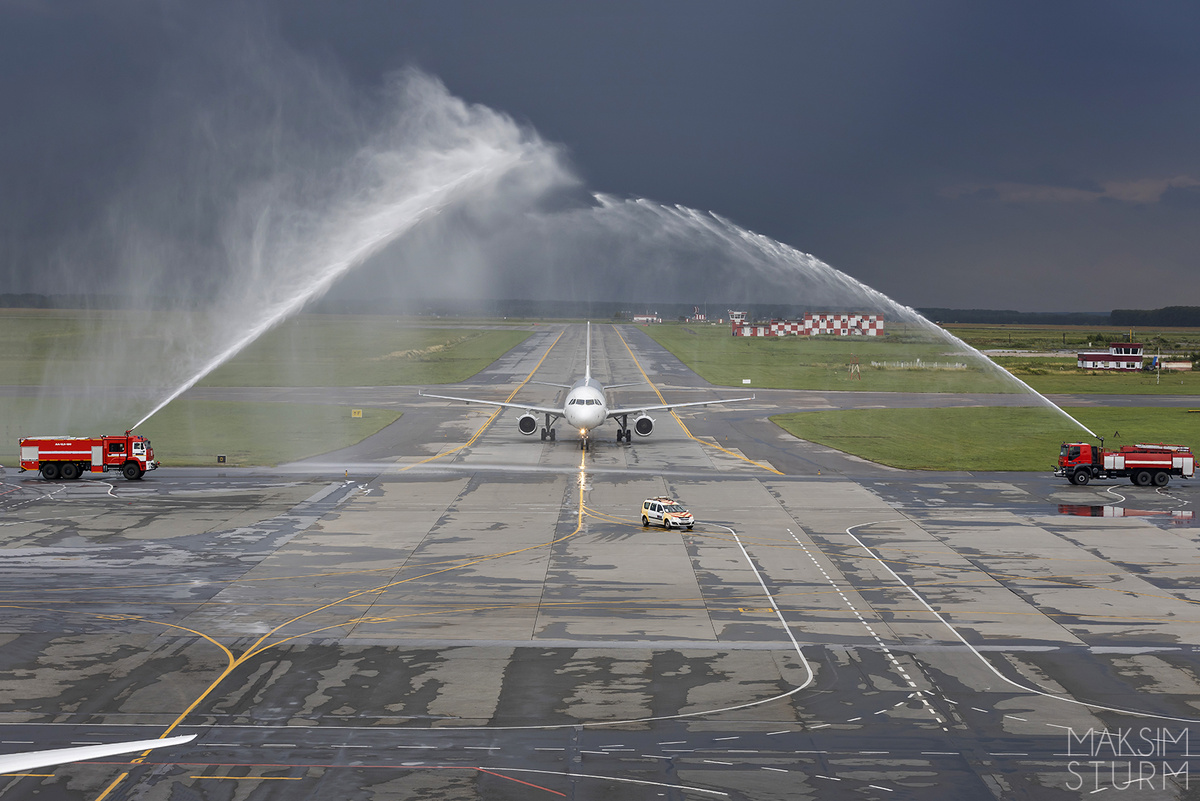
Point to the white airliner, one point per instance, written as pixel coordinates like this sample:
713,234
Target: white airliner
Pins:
19,763
586,408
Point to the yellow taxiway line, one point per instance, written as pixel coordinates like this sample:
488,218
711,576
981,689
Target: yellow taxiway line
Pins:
663,400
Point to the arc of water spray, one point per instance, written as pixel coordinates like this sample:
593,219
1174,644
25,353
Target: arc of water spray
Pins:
394,221
757,247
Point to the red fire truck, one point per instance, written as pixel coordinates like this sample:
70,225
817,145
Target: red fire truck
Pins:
1144,465
71,457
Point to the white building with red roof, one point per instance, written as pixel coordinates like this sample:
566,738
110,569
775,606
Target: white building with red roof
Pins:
1119,356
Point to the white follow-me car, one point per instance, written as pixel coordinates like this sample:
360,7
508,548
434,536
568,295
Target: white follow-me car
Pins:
666,512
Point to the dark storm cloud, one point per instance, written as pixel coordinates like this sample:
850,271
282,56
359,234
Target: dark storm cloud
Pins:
985,154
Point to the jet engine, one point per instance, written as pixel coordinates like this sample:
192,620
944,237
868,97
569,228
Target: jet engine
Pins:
527,423
643,425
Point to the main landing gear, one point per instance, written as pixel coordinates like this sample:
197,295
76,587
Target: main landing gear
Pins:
624,432
547,431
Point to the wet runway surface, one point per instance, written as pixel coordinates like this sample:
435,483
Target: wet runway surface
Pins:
412,618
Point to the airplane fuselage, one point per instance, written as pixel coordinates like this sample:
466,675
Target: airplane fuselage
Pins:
586,407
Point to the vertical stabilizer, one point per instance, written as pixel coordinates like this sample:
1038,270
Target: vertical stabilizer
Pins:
587,366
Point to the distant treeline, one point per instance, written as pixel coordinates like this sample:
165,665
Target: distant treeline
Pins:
30,300
1169,316
1011,317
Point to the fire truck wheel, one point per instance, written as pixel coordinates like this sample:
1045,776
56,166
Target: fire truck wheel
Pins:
50,471
131,471
69,471
1143,478
1162,478
1082,477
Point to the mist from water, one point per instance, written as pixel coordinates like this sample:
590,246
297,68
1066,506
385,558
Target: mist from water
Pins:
797,274
264,197
252,233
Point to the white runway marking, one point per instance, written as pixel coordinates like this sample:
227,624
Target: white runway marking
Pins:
878,640
984,659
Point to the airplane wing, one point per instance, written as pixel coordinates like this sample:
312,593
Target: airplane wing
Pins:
19,763
670,406
525,407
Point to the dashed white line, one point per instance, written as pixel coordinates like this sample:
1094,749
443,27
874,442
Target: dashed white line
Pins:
887,651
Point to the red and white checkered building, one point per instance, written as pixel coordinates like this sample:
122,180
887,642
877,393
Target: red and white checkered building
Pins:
850,324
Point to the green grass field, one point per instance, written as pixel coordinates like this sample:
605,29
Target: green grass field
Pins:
905,364
193,432
823,363
57,348
46,348
1059,337
66,347
997,438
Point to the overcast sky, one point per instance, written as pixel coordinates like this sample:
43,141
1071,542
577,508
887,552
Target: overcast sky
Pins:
1027,155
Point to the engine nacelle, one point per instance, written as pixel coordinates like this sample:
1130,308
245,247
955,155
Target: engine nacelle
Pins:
643,425
527,423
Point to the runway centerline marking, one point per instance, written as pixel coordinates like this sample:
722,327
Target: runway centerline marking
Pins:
878,640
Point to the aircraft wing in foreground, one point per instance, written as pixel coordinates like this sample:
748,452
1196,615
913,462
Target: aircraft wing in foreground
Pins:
19,763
